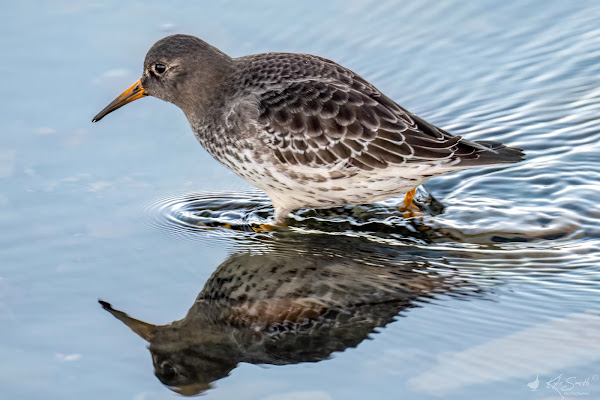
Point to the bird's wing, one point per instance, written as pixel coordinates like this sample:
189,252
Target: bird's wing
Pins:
349,123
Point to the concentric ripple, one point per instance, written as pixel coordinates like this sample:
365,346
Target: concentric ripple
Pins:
203,212
227,214
248,211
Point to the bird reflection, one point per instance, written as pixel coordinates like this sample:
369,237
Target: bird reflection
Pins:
290,299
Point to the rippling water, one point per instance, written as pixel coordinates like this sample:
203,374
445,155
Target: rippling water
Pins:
492,293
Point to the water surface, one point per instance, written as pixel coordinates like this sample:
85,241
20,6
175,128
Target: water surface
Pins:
496,284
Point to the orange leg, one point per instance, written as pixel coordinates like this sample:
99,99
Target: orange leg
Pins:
409,209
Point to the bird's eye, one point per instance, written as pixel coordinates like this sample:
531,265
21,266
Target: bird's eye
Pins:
168,371
160,68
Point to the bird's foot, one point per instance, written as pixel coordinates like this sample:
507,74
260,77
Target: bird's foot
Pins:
410,209
410,212
268,227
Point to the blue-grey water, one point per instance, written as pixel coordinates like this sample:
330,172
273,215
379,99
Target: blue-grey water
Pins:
493,293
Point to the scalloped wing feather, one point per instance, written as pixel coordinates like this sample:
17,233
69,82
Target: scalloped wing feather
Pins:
317,113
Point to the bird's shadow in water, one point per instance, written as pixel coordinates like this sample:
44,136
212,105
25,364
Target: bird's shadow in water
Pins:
290,298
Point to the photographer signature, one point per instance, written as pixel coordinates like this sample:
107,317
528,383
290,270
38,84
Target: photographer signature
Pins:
570,385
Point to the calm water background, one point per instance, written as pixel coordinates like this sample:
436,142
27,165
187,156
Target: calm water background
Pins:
93,211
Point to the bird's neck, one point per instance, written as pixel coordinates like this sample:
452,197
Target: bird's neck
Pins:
206,93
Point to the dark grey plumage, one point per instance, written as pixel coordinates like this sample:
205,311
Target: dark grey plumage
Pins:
307,131
319,112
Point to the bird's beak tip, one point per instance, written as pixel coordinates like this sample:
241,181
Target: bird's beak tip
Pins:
136,91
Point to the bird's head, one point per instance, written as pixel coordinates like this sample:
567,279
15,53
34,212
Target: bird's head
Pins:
180,69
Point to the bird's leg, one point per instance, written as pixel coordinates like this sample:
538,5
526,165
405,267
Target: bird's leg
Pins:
280,216
409,209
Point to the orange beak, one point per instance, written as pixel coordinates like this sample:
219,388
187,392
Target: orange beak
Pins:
136,91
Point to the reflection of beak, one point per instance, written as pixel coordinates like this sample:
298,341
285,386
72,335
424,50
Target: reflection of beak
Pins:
145,330
136,91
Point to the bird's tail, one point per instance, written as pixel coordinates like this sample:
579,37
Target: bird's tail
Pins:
491,153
